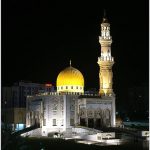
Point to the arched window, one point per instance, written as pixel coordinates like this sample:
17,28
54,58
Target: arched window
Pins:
54,122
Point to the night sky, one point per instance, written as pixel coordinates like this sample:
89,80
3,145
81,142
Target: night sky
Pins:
39,39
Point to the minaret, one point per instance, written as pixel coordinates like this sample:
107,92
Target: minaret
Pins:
105,61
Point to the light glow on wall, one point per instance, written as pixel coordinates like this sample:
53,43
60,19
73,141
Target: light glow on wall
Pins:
48,85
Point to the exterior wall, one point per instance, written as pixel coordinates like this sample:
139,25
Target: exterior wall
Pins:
61,108
34,111
113,111
15,96
13,117
6,105
14,100
53,109
71,111
61,112
58,112
6,97
100,111
19,115
8,115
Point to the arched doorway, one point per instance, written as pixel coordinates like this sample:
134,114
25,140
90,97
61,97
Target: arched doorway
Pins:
82,122
98,123
90,122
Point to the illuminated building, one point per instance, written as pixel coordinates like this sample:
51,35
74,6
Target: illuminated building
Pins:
106,61
70,106
70,80
14,102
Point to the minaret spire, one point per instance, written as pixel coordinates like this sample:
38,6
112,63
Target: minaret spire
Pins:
105,20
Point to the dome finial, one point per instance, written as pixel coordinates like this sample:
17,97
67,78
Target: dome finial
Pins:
70,62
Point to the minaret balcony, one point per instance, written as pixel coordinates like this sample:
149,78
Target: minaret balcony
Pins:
111,59
107,38
105,43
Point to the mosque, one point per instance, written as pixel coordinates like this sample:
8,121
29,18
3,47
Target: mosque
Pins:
69,106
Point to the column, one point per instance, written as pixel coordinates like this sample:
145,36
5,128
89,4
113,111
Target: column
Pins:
41,114
64,115
86,117
75,114
113,121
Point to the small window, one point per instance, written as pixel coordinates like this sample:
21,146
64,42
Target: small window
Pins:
66,87
80,88
58,88
54,122
71,87
77,87
55,106
61,87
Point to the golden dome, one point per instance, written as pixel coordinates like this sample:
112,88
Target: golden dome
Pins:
70,80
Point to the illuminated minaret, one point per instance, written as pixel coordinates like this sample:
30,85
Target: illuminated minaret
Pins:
105,61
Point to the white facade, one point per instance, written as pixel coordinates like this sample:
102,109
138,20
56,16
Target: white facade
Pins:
61,112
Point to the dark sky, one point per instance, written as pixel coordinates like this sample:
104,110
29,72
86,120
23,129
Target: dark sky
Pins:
39,39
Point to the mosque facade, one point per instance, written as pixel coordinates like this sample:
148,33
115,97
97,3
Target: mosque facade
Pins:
69,106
